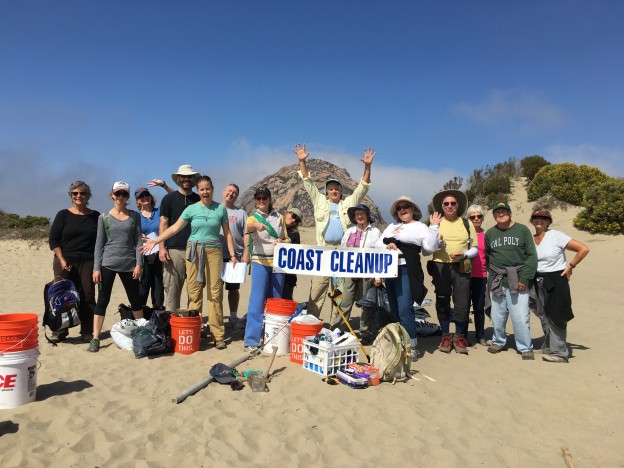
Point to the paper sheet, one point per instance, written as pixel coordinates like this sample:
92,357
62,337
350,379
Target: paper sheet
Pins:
234,274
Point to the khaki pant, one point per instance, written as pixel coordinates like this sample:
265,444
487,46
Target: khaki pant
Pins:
174,273
214,288
318,293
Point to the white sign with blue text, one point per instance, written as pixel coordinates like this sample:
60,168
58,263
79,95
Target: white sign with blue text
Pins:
335,261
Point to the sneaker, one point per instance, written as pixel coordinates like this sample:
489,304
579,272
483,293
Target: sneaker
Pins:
460,344
447,343
495,348
57,337
94,346
415,355
482,342
251,349
554,358
528,356
220,344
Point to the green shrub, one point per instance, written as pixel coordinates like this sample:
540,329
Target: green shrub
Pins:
531,165
566,182
491,184
13,221
604,208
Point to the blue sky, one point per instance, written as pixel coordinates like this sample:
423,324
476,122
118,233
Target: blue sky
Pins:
110,90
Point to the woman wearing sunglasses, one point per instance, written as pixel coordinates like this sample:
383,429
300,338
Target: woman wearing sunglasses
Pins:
478,282
265,228
117,253
410,237
550,297
72,239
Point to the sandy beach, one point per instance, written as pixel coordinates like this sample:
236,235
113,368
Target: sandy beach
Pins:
110,409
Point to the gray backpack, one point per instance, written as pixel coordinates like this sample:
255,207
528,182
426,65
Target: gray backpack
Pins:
391,353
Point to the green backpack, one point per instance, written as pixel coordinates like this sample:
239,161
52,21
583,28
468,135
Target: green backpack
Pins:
391,353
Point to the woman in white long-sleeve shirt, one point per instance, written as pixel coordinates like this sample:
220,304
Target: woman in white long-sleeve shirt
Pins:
410,237
364,236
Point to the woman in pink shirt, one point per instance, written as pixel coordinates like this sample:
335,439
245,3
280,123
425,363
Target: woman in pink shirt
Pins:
478,281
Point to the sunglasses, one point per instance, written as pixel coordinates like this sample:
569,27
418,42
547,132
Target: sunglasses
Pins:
450,203
476,217
185,176
403,207
144,195
261,198
540,217
75,194
122,193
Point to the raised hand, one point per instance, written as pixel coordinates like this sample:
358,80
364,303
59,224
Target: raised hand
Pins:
435,218
369,155
300,151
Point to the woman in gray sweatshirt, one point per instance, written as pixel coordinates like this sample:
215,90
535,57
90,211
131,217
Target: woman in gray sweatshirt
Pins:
117,253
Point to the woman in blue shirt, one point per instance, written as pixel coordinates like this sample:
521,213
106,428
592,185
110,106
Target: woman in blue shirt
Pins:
152,277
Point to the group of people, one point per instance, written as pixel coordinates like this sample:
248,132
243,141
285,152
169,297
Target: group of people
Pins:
506,270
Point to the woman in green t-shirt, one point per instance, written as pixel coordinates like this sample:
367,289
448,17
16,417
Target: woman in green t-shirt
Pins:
204,258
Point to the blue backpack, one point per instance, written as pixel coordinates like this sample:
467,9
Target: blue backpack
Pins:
61,305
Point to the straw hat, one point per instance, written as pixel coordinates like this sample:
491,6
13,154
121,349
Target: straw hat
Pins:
462,200
417,211
185,170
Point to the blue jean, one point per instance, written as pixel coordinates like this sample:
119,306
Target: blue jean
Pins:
264,284
401,302
515,305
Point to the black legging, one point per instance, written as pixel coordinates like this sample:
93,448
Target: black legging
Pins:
106,287
152,279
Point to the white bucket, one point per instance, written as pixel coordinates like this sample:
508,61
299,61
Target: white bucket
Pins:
18,378
276,333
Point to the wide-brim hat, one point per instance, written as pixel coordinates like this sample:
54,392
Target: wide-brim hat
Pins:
361,206
417,211
185,170
462,200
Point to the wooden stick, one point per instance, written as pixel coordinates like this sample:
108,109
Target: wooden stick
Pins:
266,374
333,300
204,383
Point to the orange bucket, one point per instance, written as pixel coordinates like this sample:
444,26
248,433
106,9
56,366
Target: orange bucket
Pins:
281,306
18,332
298,333
185,334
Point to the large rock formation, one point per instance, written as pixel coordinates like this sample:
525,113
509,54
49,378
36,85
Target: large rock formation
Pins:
287,190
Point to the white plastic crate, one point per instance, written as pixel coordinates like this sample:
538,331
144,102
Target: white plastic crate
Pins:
327,358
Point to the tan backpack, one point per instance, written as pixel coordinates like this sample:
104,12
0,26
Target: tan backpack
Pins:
391,353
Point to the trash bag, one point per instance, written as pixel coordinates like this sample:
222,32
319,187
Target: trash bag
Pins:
376,298
154,338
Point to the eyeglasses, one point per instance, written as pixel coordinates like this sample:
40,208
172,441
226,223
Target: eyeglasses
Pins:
404,207
261,198
75,194
476,217
122,193
451,203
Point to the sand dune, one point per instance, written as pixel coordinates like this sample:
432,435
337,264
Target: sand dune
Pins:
110,409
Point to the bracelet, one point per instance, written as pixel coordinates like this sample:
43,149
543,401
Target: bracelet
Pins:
572,266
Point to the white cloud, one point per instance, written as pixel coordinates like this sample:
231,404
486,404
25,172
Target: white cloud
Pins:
608,160
34,182
512,110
